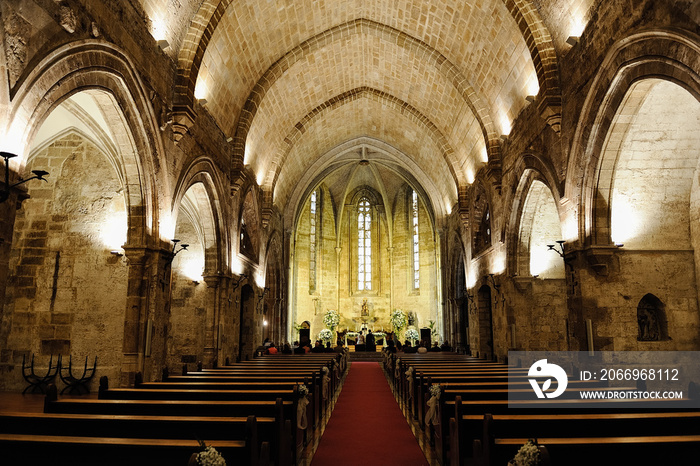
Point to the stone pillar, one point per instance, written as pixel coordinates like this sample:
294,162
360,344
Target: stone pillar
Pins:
135,317
390,250
212,318
337,274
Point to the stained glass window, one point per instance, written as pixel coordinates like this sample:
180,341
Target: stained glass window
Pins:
364,245
312,242
414,228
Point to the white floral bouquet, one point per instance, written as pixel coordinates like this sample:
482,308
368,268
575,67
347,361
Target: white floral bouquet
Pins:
398,320
412,334
325,335
302,390
528,455
209,456
435,390
331,319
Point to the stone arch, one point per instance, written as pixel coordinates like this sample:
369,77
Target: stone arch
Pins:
457,308
662,54
368,93
249,226
524,12
273,304
211,205
529,169
481,220
90,64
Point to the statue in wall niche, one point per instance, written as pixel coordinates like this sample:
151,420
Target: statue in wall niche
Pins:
648,325
365,309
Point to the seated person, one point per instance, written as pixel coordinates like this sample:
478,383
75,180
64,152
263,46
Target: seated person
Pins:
360,343
340,348
298,349
286,349
272,349
435,348
318,347
407,348
421,348
445,346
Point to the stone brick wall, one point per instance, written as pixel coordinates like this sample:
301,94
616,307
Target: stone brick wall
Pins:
67,293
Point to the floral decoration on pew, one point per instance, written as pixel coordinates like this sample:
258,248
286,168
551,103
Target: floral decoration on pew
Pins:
303,391
413,335
431,417
209,456
528,455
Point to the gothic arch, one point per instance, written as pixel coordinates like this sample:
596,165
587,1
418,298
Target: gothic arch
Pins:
90,64
212,211
248,239
662,54
528,168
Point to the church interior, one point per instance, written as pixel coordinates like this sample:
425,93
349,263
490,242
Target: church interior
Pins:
186,179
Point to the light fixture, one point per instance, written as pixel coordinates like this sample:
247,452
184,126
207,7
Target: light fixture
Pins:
494,284
530,98
195,282
264,323
163,44
242,277
5,192
202,102
572,40
116,252
183,247
535,276
619,245
559,251
504,137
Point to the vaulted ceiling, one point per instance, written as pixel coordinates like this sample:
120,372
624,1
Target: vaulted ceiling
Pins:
291,81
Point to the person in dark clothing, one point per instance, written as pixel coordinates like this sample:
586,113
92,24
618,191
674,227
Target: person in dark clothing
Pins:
369,342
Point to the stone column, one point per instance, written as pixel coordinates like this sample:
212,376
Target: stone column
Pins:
390,250
135,317
337,274
212,317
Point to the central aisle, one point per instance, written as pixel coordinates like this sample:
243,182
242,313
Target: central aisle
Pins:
367,426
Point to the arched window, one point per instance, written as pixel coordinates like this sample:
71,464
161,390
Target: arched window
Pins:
312,241
364,245
414,231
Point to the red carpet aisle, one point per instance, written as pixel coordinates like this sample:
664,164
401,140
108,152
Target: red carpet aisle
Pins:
367,426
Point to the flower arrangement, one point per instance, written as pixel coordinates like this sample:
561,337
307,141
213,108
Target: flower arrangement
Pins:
528,455
325,335
209,456
331,319
412,334
435,390
398,320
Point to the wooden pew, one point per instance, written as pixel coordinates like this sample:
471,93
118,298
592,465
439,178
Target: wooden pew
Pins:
571,439
36,439
469,415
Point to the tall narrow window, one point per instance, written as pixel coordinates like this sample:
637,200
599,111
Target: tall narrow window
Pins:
416,255
364,245
312,243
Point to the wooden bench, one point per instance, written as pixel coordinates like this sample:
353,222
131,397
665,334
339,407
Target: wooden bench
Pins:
468,424
37,440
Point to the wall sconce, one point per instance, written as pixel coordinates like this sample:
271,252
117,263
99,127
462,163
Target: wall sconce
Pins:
530,98
183,247
559,251
202,102
572,40
5,192
504,137
264,323
619,245
264,292
163,44
116,253
493,283
238,282
195,282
